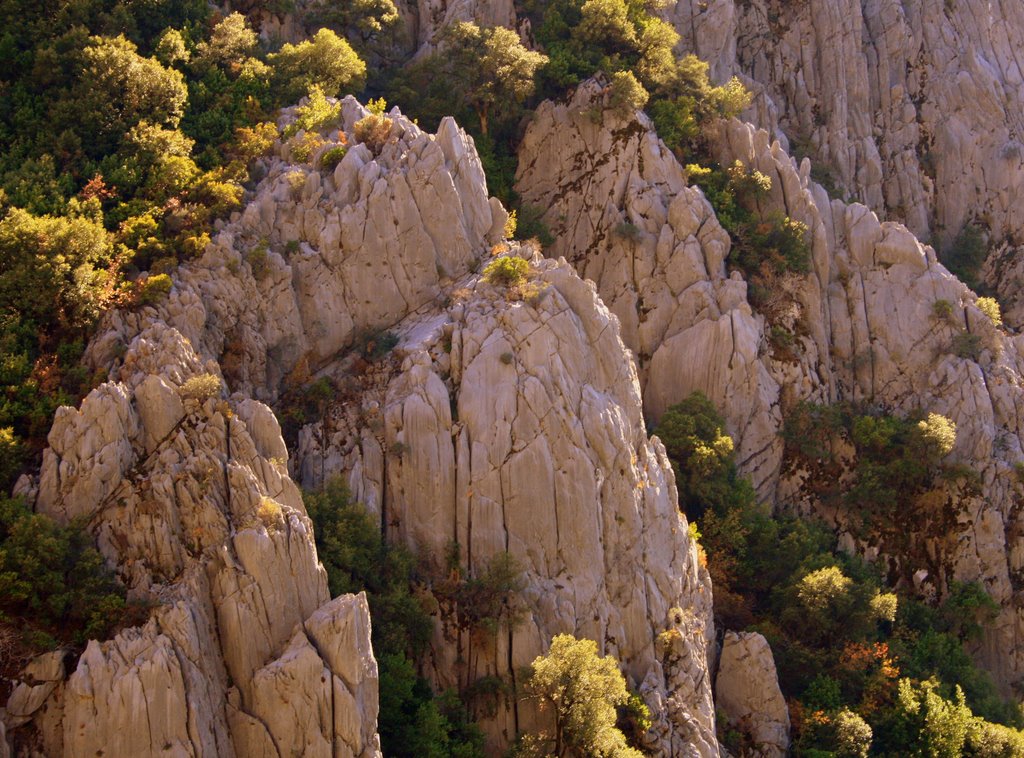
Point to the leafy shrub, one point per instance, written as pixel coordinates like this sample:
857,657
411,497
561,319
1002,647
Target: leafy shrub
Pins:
990,307
53,579
510,225
942,310
967,346
374,131
628,231
153,289
326,61
584,690
257,258
332,157
965,255
507,270
626,93
269,512
302,147
374,345
316,114
200,388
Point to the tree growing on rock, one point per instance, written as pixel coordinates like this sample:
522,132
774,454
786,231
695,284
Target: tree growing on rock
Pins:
490,68
583,690
326,61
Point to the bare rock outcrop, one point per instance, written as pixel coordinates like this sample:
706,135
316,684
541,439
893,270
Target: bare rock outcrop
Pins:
747,692
620,210
317,258
505,420
203,523
513,423
864,324
913,107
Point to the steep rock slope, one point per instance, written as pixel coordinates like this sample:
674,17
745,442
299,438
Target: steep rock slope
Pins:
863,319
189,498
516,426
916,107
527,437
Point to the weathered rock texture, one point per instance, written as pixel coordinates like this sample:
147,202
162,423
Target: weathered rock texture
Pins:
863,321
504,422
747,692
244,653
516,426
316,258
913,107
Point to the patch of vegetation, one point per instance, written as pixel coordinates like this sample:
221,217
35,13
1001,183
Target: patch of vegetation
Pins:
582,690
507,271
154,289
966,345
332,156
965,255
990,307
125,133
54,585
846,647
413,720
201,387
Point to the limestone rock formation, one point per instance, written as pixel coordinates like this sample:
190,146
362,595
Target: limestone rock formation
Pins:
620,210
318,258
512,422
505,420
201,521
747,692
913,107
863,320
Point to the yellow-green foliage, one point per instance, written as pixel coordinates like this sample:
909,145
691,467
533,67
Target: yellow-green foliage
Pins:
626,93
315,114
302,147
373,130
823,588
332,156
269,512
508,270
154,289
326,61
510,226
938,433
884,606
583,690
200,387
990,307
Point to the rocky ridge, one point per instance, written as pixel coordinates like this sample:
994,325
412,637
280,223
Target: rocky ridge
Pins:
502,421
863,318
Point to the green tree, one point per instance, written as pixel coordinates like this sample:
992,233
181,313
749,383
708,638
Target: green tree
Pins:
230,43
490,69
583,690
326,61
52,269
117,89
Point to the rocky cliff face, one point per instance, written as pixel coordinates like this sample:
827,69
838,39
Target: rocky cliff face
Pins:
504,420
188,496
864,320
912,107
516,426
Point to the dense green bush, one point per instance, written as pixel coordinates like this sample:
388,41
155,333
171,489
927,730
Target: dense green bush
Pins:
507,270
53,582
843,644
413,721
582,690
965,255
